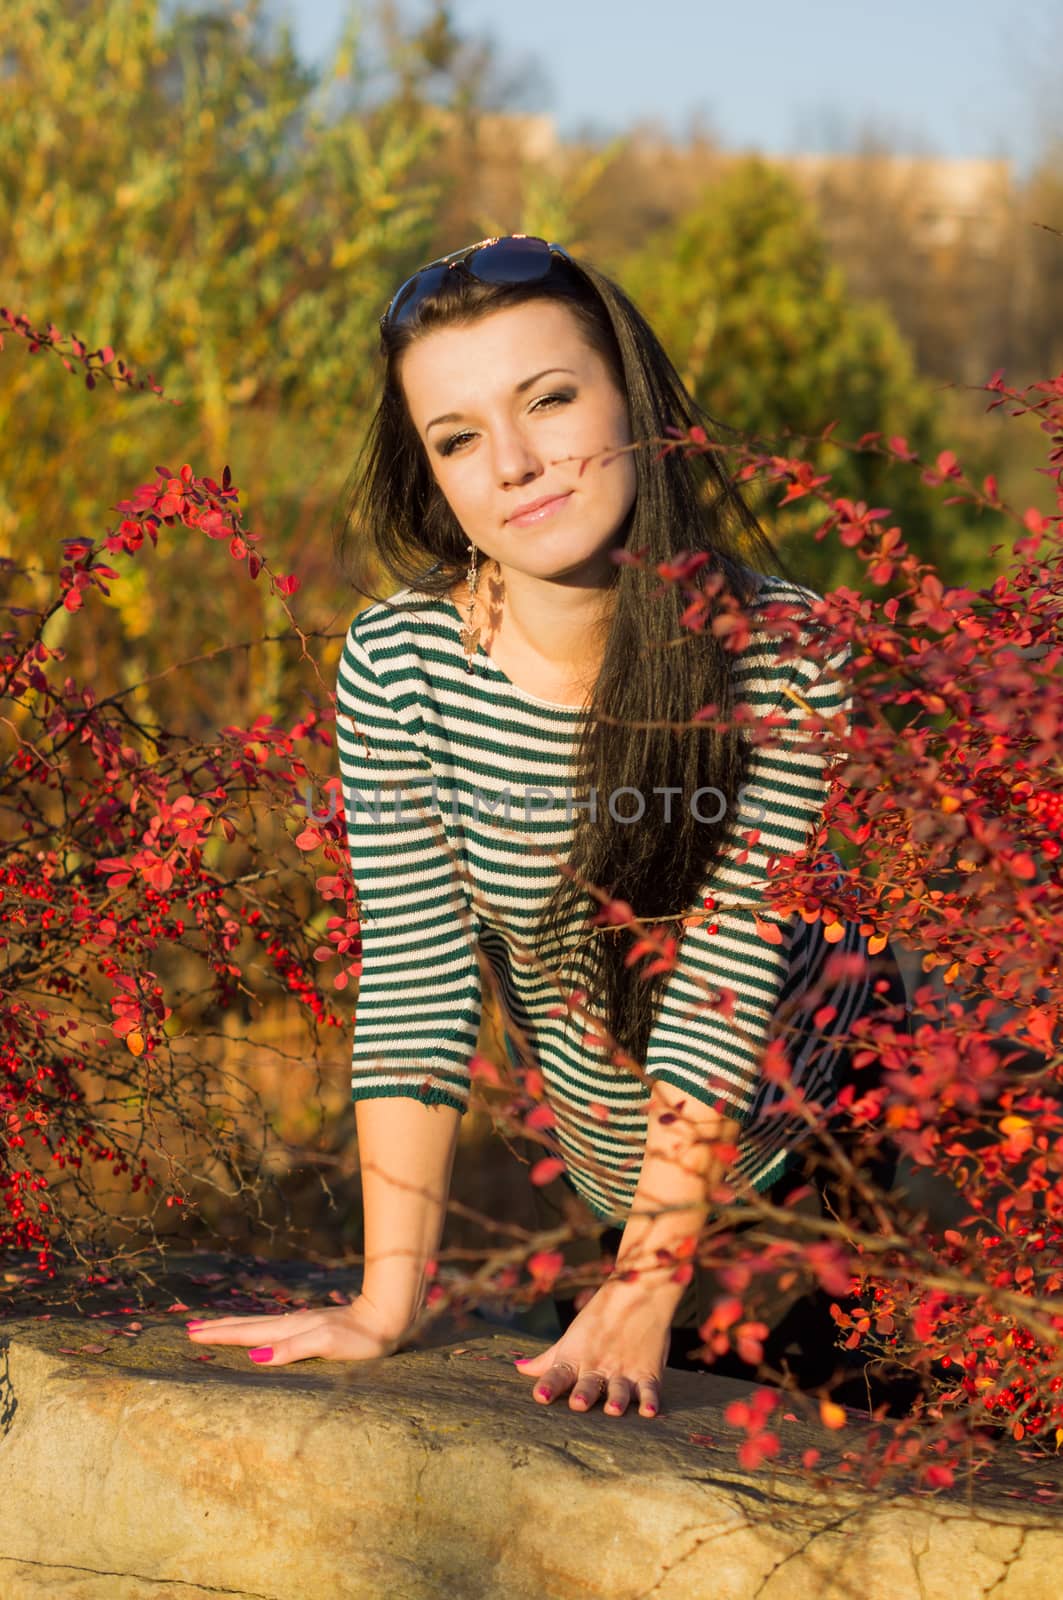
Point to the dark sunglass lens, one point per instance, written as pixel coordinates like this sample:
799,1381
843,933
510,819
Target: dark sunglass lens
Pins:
511,261
420,287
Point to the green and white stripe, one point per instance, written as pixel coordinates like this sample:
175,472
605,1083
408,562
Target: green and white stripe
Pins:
428,755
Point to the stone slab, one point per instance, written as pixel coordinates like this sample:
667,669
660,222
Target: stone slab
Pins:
140,1469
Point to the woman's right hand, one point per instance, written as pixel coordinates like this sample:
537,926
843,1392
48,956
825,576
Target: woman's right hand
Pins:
360,1331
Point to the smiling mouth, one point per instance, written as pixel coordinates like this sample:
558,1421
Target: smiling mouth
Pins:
539,513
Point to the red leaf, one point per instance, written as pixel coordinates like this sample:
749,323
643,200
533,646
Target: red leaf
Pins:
751,1452
484,1069
724,1314
831,1414
775,1064
541,1116
159,874
1040,1025
545,1265
547,1170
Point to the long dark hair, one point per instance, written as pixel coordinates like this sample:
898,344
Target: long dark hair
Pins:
685,503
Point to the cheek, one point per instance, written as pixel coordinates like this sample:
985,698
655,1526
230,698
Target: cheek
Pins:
467,496
622,467
450,484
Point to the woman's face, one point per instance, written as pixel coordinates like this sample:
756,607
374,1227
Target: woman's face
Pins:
508,407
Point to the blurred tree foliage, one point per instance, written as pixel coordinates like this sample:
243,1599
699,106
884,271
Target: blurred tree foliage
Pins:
185,191
181,187
764,331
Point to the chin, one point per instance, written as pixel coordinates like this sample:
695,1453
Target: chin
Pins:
532,550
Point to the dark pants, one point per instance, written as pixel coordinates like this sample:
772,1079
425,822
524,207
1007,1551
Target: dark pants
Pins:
803,1334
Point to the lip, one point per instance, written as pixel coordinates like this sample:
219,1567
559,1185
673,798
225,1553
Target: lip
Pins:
538,510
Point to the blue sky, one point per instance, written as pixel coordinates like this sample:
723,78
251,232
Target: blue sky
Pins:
944,77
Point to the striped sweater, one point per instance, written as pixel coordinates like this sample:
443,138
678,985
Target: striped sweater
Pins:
457,798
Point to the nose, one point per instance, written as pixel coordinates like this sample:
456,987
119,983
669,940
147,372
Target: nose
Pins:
515,461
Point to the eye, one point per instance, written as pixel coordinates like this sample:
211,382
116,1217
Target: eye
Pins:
548,400
450,445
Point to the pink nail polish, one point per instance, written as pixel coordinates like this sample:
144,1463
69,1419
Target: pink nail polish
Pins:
544,1394
261,1352
191,1325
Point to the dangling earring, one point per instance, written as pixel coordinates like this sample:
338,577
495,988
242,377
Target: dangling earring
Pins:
469,634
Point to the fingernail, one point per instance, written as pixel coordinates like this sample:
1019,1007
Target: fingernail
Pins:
651,1411
194,1325
261,1352
544,1394
522,1361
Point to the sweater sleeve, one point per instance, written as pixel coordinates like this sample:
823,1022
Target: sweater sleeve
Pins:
712,1055
419,997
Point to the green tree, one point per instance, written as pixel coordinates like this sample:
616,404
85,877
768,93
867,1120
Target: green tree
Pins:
762,327
184,186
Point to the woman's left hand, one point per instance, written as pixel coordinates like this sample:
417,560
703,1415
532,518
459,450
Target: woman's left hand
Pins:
615,1350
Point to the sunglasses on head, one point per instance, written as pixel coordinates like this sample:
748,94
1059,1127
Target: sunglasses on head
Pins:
516,258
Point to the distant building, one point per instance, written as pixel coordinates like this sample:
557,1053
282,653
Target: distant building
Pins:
939,202
533,137
943,201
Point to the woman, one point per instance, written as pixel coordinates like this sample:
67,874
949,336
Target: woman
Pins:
506,740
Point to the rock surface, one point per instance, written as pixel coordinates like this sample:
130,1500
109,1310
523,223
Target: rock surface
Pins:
130,1466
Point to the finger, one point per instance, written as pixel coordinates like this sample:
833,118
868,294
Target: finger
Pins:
298,1347
238,1330
555,1380
587,1389
533,1366
618,1396
649,1390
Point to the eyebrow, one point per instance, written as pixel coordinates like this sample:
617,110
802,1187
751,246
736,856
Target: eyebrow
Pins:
458,416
